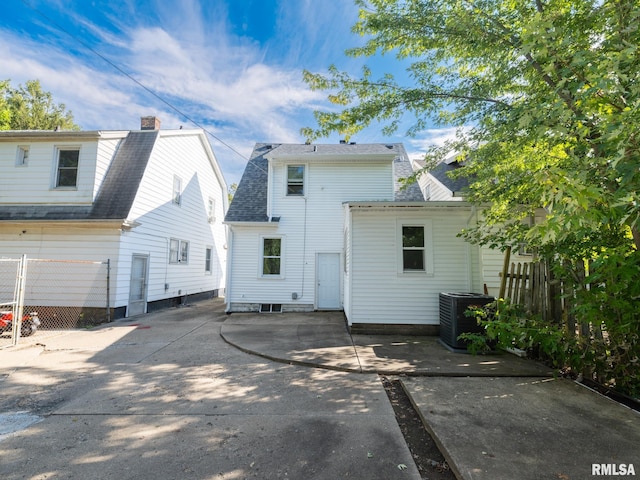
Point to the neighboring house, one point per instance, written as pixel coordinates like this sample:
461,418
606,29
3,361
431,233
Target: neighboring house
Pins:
329,227
151,201
436,184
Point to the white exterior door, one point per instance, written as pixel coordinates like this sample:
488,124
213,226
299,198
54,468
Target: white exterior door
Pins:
138,285
328,281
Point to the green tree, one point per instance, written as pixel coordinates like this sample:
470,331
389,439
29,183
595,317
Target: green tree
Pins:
28,107
5,113
546,98
548,89
231,191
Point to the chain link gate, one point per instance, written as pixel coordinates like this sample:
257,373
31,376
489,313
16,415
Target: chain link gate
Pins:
10,277
58,295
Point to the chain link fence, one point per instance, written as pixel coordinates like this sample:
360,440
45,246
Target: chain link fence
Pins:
51,296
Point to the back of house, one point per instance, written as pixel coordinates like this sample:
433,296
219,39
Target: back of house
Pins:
150,202
334,227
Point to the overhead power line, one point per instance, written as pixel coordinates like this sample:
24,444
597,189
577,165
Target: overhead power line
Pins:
130,77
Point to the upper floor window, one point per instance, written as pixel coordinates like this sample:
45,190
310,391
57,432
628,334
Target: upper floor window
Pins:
67,169
211,210
295,180
177,190
427,191
178,251
413,252
271,256
22,156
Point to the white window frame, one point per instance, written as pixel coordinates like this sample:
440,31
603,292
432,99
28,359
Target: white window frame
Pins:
208,259
178,251
427,247
211,210
262,257
56,171
22,155
426,192
177,190
295,182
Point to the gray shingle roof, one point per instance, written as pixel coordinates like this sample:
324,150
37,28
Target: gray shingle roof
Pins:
441,173
119,188
116,195
250,200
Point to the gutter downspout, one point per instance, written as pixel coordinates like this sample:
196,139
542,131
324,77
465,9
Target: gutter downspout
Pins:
469,257
227,289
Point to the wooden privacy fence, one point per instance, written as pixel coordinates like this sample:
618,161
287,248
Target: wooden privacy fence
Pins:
533,286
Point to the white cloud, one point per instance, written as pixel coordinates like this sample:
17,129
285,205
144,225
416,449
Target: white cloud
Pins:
431,137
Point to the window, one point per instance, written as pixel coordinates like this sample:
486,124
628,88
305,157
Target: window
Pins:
427,191
211,210
177,190
22,156
271,256
295,180
413,248
67,171
270,308
208,255
178,251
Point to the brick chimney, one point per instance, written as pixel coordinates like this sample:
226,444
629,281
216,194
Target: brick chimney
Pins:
149,123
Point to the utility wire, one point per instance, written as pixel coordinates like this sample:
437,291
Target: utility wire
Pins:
130,77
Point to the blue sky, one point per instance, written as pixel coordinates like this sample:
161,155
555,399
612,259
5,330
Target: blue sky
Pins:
233,66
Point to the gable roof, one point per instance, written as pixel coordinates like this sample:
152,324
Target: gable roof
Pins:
441,173
250,200
117,192
120,185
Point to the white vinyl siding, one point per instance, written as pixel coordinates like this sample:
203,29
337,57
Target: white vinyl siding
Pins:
435,191
159,222
248,286
62,243
36,183
382,294
183,153
312,224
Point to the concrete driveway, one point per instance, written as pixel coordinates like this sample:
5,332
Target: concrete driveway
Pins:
162,396
194,393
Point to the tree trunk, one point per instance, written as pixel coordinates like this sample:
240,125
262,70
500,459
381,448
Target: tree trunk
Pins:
636,237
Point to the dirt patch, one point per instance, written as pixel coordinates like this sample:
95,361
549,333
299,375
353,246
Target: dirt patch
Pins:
428,458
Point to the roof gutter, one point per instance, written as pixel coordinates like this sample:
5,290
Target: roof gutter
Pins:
121,223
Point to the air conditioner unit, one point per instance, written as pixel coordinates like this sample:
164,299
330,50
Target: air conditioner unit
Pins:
454,322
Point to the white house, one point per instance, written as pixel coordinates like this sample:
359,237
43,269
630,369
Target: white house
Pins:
151,201
317,227
436,184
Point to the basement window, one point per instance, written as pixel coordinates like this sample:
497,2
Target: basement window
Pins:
270,308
